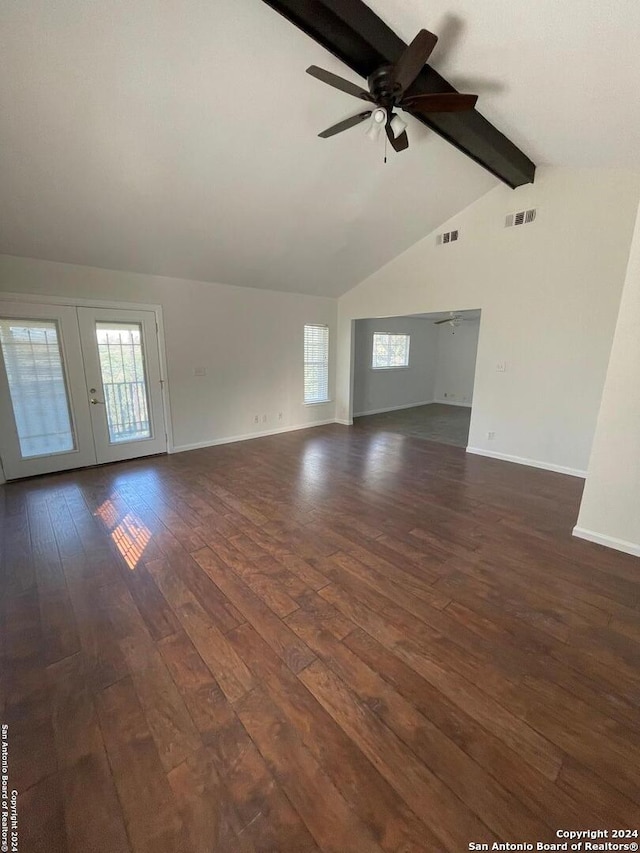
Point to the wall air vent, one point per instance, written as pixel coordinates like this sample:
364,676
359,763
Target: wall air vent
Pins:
447,237
522,217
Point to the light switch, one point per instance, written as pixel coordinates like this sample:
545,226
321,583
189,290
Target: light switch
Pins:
199,371
501,366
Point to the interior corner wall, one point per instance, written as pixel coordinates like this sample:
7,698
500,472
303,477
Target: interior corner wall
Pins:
384,390
549,293
609,511
456,363
250,342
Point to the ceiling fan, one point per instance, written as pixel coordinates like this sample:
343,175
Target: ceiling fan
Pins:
387,91
454,319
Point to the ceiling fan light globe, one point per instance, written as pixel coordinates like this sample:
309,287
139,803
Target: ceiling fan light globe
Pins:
398,126
379,117
373,132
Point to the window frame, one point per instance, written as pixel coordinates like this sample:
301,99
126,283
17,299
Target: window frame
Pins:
325,361
374,366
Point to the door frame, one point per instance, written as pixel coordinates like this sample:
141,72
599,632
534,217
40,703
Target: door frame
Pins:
118,305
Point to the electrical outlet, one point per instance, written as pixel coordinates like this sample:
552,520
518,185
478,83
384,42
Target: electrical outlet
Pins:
264,419
256,419
501,367
445,394
491,435
279,416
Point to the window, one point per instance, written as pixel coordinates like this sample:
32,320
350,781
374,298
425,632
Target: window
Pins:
316,364
389,351
37,385
125,388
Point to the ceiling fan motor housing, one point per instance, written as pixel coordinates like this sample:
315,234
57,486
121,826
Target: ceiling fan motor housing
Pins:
383,86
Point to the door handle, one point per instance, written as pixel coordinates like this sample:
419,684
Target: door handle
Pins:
95,402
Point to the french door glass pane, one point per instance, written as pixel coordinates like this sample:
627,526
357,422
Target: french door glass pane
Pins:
123,379
37,385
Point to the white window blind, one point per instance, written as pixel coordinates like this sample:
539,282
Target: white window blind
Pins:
37,385
390,350
316,364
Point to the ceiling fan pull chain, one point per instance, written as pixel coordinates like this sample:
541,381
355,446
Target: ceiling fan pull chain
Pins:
385,148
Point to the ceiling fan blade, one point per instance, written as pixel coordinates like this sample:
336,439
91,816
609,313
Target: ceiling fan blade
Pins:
345,125
440,322
443,102
399,143
413,59
338,83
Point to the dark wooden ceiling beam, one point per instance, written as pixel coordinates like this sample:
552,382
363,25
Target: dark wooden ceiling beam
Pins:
350,30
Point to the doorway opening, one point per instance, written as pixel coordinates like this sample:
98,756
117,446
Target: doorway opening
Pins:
414,375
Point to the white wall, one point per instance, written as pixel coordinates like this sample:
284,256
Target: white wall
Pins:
610,510
549,294
383,390
250,342
456,362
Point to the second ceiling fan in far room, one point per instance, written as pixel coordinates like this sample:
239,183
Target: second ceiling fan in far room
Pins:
388,87
454,319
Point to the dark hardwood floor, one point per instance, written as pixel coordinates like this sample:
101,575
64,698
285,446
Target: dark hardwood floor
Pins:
332,640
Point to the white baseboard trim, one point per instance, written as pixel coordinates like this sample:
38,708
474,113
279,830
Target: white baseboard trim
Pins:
230,439
393,408
447,402
532,463
344,422
608,541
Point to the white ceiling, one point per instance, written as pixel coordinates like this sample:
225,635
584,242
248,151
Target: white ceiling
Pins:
178,137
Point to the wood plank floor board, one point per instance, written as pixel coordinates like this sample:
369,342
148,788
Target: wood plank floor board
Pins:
67,538
93,816
403,587
284,642
59,631
230,760
46,833
423,792
158,616
151,812
269,582
230,672
613,808
26,699
371,797
537,654
306,785
431,628
105,663
535,749
57,619
397,648
206,807
502,812
504,762
171,725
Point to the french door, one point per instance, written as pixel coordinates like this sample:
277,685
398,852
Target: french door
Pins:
78,386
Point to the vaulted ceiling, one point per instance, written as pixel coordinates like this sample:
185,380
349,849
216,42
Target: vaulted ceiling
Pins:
178,137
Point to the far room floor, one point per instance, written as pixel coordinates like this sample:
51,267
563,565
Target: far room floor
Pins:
434,421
